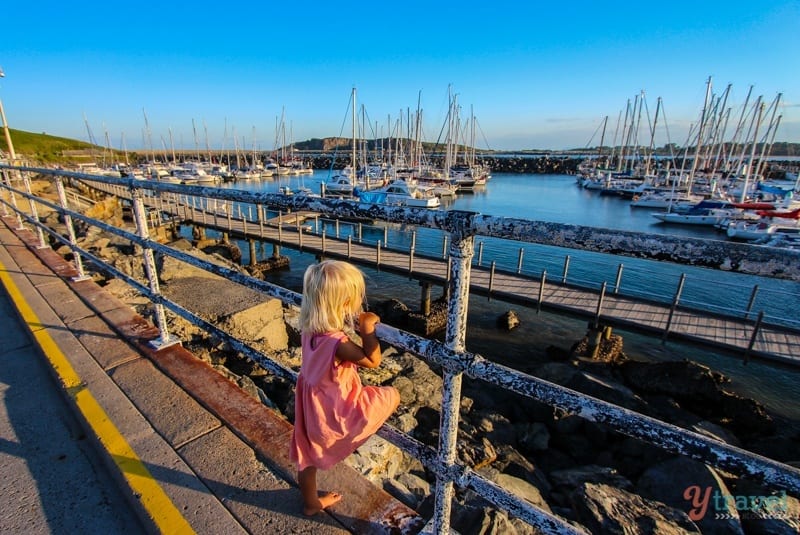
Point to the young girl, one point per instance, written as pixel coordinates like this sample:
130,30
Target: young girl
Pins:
334,413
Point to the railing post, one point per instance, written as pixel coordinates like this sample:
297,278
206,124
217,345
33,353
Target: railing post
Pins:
280,225
378,254
413,239
349,246
229,210
260,215
337,227
461,251
385,236
34,213
360,232
62,198
753,336
619,279
411,261
751,302
675,302
541,291
6,181
140,218
7,177
519,261
566,269
480,253
444,247
323,238
299,232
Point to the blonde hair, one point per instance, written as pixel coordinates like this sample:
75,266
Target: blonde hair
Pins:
333,292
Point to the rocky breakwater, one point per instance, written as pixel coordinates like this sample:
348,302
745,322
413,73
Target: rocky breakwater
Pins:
585,472
521,163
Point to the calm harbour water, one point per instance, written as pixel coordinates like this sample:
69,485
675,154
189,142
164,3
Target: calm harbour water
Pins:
556,198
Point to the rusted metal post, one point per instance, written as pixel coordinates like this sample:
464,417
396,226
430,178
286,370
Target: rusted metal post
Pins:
34,213
425,301
299,230
491,278
519,260
753,336
62,197
140,217
253,259
751,302
672,308
600,303
619,279
566,269
541,291
461,251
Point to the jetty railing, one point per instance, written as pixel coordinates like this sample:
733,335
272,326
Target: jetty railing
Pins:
640,280
455,361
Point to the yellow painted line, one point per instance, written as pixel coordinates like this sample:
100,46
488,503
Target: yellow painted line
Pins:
157,504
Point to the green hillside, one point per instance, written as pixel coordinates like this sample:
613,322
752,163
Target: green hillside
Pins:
45,148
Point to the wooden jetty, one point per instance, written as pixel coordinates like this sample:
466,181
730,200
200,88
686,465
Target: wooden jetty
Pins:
745,335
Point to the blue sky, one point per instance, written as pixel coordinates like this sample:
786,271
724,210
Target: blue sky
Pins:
536,76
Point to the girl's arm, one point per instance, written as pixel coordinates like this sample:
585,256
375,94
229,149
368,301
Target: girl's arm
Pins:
368,356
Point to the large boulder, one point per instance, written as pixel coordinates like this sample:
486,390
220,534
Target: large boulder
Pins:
694,488
605,509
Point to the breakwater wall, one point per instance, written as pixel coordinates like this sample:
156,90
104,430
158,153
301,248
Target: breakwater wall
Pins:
505,164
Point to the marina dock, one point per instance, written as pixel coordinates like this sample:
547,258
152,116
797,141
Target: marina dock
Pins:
745,335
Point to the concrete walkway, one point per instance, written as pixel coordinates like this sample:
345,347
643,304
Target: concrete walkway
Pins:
100,433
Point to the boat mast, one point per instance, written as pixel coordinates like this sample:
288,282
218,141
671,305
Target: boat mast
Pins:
353,153
149,136
699,135
652,140
602,140
752,150
171,146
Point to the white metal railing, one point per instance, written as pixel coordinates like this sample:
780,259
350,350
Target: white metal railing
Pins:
451,355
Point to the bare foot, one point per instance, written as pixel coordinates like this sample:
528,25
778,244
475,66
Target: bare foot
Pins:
325,501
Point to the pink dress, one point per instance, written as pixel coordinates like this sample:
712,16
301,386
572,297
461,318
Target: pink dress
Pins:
334,413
